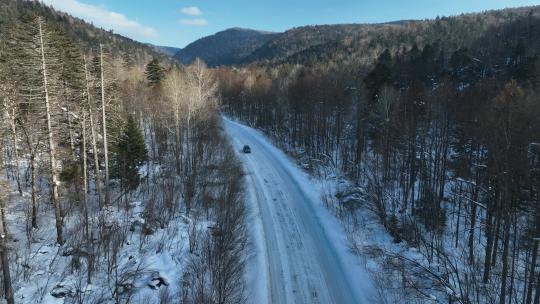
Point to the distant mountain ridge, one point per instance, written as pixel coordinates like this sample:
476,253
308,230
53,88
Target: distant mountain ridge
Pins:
227,47
166,50
353,43
243,46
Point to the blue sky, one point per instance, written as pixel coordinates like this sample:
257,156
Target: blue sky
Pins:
179,22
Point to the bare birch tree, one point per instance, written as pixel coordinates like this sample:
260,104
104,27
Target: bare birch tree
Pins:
104,126
201,92
174,88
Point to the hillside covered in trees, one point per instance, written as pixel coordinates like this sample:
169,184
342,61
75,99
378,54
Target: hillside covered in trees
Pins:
347,44
117,185
227,47
85,35
361,43
430,128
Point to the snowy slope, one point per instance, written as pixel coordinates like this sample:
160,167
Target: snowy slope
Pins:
303,253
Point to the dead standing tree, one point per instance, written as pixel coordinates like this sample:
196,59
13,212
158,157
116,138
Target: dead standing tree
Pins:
4,254
36,53
4,261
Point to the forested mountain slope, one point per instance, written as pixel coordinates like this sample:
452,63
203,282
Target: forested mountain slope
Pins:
362,43
345,43
226,47
86,35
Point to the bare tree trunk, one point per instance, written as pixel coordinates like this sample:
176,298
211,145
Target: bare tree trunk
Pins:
504,257
93,134
189,162
473,222
8,289
104,118
515,255
496,241
178,143
534,256
71,137
489,244
85,174
537,293
52,149
15,152
34,190
85,190
97,176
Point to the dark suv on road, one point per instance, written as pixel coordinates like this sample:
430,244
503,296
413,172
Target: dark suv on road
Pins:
246,149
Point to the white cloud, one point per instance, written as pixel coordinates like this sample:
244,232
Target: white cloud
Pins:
104,18
196,21
191,11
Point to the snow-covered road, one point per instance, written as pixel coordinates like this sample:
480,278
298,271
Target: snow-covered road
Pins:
303,255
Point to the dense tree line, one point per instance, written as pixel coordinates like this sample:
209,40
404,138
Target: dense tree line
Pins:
442,135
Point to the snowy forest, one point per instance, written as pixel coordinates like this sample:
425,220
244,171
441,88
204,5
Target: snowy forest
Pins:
437,138
120,184
113,169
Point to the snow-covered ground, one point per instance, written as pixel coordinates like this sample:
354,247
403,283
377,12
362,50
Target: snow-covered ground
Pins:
143,248
303,255
147,265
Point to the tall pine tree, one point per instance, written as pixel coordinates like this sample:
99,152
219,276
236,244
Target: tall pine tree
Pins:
130,156
154,72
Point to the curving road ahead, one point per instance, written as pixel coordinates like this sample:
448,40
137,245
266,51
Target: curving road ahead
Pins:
301,261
